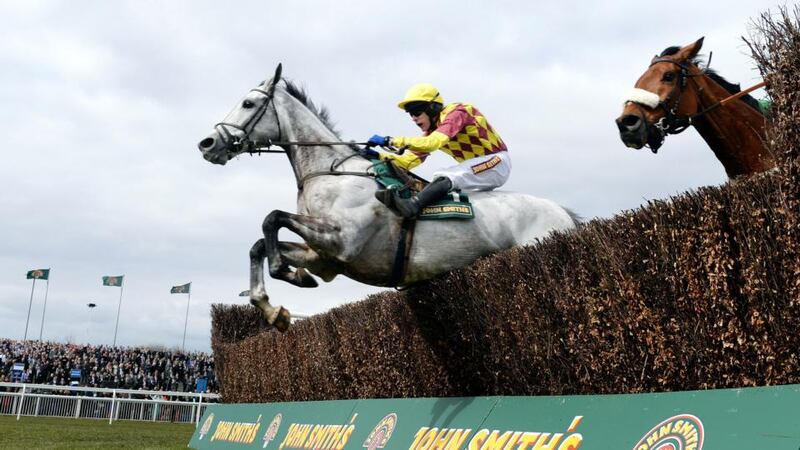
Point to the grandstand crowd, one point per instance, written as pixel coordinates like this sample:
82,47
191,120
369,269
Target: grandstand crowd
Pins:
105,366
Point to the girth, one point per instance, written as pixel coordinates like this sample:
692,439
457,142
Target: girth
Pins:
403,253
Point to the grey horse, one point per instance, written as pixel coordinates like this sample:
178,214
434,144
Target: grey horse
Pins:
344,228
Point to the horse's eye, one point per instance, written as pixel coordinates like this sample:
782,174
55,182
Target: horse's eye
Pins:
668,77
246,103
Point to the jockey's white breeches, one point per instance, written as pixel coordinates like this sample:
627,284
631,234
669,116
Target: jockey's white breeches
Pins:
482,173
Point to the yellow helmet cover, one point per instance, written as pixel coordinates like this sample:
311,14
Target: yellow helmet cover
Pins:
422,92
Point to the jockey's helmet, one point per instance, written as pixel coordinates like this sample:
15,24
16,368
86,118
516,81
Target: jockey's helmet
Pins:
421,93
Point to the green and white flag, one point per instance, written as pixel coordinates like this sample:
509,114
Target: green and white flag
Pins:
113,281
182,289
38,274
245,293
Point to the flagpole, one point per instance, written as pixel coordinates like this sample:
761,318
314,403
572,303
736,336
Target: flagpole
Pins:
44,310
30,303
118,309
186,322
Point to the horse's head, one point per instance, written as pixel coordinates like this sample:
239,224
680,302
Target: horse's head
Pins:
662,98
253,121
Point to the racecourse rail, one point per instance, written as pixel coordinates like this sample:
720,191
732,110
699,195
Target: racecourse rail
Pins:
44,400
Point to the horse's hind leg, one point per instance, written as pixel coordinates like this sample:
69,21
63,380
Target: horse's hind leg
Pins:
276,316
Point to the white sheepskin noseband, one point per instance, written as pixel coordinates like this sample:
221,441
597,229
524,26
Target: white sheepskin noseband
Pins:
642,97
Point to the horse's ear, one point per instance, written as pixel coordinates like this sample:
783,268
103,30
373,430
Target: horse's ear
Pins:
277,76
690,51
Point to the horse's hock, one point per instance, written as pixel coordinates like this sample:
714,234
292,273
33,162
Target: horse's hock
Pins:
700,291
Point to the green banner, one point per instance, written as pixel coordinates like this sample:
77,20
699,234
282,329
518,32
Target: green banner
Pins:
182,289
38,274
750,418
113,280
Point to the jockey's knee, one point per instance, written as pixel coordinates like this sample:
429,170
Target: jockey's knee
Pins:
445,178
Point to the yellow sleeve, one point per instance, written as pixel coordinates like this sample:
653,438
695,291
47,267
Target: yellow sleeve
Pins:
427,144
408,160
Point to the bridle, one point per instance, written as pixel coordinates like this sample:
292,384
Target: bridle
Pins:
235,144
672,123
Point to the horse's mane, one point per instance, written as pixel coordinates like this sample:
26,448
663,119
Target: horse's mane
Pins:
732,88
321,112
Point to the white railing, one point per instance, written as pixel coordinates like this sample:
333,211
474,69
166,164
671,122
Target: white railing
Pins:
101,403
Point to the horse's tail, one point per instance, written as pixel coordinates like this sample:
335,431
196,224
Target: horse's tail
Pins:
577,219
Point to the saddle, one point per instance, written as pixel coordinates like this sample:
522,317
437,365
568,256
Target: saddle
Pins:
455,205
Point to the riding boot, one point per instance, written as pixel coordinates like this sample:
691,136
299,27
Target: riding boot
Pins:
410,207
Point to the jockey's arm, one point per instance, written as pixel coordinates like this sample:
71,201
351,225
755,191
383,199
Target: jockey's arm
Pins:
418,149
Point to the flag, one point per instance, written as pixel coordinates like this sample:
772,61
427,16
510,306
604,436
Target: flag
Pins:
38,274
182,289
113,281
245,293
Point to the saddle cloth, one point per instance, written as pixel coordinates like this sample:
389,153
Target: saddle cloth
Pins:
455,205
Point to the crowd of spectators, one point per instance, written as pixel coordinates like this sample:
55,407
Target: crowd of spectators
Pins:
105,366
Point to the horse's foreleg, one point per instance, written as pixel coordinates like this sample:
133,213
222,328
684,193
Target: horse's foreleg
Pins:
258,292
309,228
276,316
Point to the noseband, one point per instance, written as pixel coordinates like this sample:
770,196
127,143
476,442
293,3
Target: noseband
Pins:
235,144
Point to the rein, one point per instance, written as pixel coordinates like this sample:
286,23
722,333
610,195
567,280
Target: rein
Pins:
266,147
728,99
332,171
246,145
259,148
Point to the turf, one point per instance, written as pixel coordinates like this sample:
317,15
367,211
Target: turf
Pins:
49,432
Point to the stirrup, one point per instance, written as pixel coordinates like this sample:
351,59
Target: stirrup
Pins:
386,197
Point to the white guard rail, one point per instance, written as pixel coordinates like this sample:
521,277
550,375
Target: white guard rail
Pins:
102,403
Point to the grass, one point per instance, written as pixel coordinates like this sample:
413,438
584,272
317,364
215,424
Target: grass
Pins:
60,433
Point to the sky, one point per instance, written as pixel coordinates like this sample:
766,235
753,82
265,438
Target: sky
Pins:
102,105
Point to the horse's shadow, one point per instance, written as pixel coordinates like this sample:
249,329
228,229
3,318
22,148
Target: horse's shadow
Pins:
447,409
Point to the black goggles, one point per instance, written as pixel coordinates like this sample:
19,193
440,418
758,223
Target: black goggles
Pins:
416,108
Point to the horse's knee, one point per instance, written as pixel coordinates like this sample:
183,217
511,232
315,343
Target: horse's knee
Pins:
270,223
257,250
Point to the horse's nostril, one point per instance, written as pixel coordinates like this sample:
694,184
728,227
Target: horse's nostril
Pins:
206,143
630,122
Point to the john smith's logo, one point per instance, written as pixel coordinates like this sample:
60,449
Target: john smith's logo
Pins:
682,432
272,431
379,436
206,426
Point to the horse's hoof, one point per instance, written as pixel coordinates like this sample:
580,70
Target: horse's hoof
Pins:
305,279
282,320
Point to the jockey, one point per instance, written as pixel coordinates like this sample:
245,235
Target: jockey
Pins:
458,129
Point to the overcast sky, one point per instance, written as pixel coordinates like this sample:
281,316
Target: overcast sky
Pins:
102,105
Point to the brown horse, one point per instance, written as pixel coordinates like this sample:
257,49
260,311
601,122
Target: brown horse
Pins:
674,93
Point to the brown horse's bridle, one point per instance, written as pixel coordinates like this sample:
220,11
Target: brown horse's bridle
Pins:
671,123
